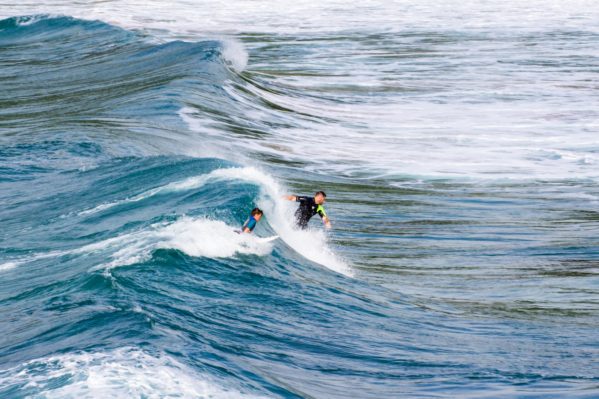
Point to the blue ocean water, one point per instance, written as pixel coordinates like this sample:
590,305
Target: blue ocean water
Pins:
463,262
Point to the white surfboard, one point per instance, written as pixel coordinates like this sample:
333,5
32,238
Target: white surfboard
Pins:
266,239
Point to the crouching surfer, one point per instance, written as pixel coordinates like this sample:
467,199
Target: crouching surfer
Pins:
250,223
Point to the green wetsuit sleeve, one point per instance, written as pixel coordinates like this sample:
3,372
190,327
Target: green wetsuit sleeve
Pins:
320,211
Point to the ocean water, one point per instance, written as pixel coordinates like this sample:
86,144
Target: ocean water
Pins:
458,144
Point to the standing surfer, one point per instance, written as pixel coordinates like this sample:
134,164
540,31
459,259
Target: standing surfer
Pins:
308,207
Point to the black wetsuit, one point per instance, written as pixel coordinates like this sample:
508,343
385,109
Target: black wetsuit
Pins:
307,208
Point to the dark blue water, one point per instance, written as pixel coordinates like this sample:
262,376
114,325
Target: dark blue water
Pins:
121,275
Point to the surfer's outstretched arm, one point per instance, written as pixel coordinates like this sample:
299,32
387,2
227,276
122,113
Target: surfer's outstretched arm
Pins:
297,198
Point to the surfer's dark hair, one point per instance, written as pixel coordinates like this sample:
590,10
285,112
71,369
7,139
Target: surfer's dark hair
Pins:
257,211
321,193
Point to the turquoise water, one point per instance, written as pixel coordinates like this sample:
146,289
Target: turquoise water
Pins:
463,262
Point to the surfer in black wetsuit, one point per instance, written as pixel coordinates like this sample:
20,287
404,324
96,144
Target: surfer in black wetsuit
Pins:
309,207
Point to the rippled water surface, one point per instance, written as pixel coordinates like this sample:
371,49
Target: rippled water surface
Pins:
458,146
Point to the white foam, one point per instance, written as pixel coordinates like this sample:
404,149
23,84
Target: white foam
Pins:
44,255
425,140
8,266
235,54
201,17
25,21
199,237
124,372
210,238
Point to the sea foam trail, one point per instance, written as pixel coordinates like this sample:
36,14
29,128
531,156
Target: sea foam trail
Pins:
8,266
195,237
188,184
17,262
123,372
191,183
